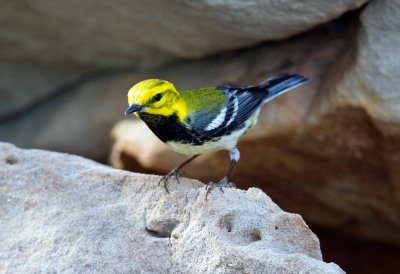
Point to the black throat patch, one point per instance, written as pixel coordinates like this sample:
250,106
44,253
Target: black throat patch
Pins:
171,129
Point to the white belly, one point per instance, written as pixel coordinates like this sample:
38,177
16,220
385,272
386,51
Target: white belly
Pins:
225,142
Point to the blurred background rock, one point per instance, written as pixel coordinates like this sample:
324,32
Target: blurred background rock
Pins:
329,151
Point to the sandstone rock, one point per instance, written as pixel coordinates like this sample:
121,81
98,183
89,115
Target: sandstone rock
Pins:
126,33
372,77
25,85
62,213
330,151
359,124
79,121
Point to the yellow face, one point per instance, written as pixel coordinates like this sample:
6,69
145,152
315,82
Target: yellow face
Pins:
153,96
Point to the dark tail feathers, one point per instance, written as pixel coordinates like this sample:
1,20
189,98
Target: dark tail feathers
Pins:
281,83
275,86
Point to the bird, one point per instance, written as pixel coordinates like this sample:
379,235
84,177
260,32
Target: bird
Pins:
198,121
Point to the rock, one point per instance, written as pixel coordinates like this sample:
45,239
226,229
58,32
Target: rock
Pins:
80,119
374,73
368,79
24,86
329,151
359,125
63,213
130,33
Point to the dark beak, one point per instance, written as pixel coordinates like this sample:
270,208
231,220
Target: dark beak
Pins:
133,108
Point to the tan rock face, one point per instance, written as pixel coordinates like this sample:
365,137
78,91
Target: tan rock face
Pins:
24,86
360,117
77,121
62,213
329,151
126,33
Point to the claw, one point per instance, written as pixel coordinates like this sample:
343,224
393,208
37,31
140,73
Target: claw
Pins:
221,184
173,173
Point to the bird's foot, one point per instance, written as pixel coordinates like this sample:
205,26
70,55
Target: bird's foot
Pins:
173,173
223,183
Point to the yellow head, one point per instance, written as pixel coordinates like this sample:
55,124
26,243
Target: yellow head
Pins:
154,96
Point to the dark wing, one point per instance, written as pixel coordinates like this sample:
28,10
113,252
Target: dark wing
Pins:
241,105
243,101
227,117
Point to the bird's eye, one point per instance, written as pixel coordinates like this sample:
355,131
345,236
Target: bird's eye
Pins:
157,97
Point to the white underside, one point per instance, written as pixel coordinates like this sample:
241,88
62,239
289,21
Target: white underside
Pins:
225,143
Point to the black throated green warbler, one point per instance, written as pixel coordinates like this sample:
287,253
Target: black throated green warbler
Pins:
197,121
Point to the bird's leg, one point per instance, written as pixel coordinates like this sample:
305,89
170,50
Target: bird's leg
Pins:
175,172
235,156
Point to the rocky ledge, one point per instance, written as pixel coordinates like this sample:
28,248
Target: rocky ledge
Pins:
63,213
